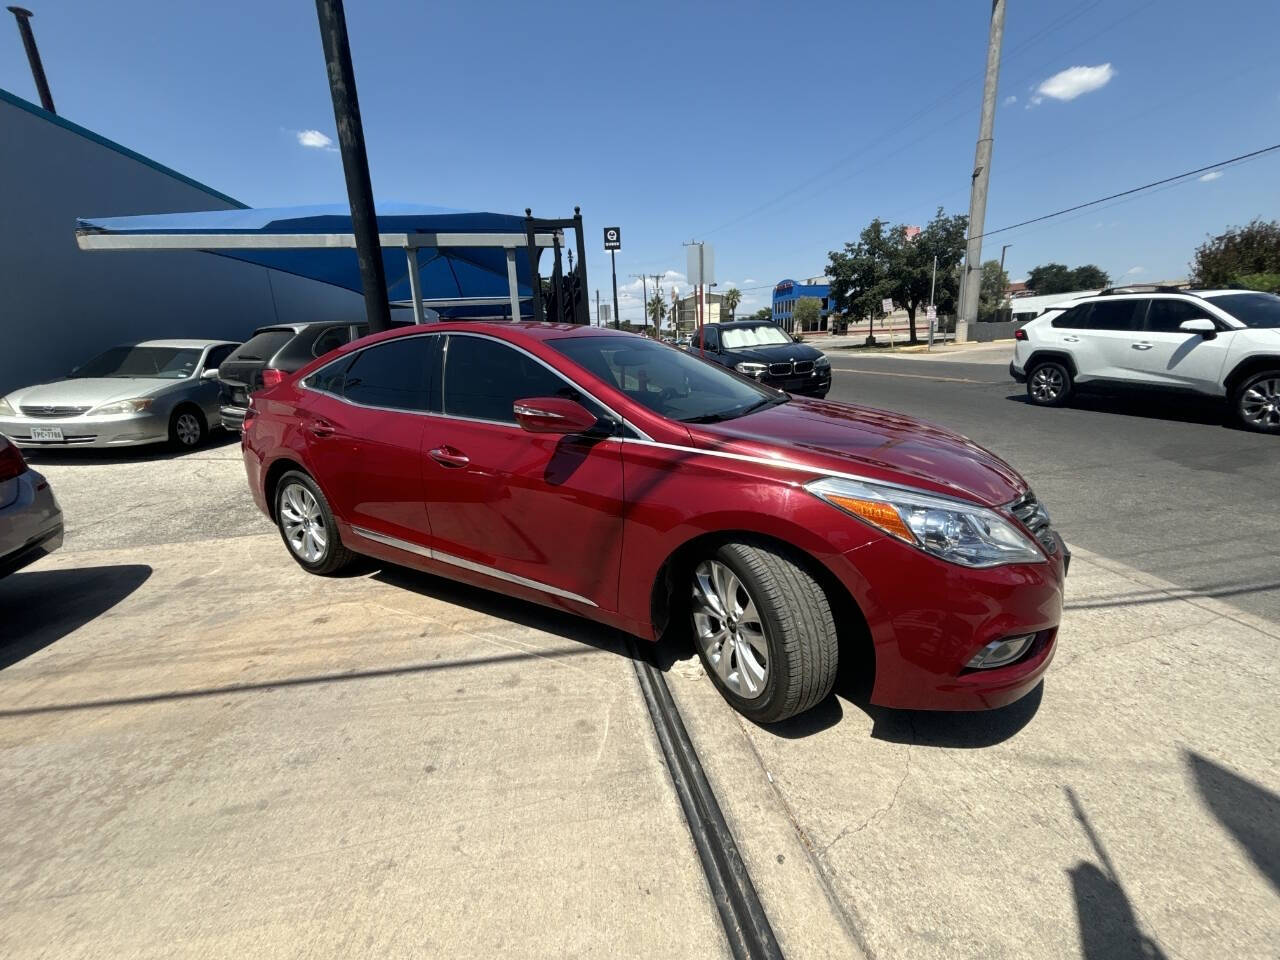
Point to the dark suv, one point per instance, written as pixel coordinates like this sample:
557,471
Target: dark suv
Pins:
766,352
264,359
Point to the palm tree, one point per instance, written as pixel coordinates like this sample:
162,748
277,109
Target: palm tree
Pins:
732,297
657,312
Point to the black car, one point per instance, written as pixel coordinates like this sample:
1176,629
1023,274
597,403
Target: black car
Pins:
766,352
264,359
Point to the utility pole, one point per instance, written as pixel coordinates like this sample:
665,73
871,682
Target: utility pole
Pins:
644,287
1002,250
981,177
33,57
355,162
613,261
597,306
657,321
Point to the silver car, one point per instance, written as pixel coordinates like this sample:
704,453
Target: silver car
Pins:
150,392
30,519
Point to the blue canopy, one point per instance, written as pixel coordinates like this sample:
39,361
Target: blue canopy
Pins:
316,242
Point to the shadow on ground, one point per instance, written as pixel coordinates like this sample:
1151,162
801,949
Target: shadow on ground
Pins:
40,607
87,456
1250,813
1153,406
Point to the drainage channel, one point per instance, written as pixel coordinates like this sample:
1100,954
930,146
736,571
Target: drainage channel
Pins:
745,923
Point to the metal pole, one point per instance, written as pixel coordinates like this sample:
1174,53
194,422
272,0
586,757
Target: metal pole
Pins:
981,177
644,314
513,283
598,307
581,307
355,162
1002,250
415,284
33,57
933,281
613,261
702,270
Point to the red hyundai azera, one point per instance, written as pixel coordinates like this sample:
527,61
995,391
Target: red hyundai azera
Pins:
630,482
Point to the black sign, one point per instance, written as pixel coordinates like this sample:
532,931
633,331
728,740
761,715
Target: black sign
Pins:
613,238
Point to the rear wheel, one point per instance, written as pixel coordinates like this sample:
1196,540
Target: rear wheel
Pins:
1257,402
187,428
1049,384
307,526
764,630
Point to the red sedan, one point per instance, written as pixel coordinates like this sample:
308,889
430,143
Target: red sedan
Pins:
626,481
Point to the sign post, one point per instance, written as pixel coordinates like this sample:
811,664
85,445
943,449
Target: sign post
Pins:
613,243
932,316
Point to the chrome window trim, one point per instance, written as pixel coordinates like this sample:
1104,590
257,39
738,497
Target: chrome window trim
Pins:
471,565
303,385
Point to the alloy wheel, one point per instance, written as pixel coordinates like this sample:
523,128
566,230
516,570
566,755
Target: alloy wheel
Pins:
1260,404
1047,384
187,427
730,629
302,523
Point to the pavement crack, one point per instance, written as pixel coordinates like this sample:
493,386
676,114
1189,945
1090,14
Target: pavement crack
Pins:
880,814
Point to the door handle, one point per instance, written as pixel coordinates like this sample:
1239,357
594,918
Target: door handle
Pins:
1141,346
320,428
1070,339
447,456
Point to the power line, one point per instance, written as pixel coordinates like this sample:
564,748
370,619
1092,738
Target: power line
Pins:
1125,193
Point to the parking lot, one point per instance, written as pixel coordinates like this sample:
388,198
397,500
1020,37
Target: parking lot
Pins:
205,751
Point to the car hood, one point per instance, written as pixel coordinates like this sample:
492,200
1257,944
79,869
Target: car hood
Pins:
876,444
88,391
775,353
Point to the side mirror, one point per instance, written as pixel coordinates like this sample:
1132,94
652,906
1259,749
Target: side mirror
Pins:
1202,326
211,374
554,415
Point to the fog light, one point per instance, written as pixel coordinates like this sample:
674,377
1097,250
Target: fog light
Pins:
999,652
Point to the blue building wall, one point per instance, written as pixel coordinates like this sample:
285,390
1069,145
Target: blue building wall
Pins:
787,292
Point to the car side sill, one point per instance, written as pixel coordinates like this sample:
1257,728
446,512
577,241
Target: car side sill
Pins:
471,565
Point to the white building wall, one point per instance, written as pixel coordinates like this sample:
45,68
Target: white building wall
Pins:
60,305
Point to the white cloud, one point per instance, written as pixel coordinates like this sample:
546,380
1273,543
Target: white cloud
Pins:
315,140
1072,82
1211,175
1134,271
1010,100
750,280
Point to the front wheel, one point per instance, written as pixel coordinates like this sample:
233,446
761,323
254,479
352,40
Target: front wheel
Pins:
307,526
764,631
1257,402
1048,384
187,428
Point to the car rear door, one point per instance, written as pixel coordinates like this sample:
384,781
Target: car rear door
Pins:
363,422
1108,340
1164,354
540,510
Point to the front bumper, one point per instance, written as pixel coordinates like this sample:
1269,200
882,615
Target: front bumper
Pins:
816,384
131,430
927,618
30,526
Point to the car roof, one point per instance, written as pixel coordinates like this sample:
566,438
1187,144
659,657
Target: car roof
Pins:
522,331
306,325
186,344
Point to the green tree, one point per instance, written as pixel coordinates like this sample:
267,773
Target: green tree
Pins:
764,313
1090,277
860,273
942,237
991,293
1059,278
732,297
657,311
1247,256
806,314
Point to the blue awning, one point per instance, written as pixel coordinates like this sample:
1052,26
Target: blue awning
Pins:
315,242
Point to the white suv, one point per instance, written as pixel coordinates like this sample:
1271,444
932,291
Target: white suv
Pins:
1221,343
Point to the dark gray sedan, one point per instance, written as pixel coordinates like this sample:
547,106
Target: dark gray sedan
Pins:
150,392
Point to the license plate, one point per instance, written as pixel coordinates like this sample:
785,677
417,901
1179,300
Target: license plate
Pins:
46,433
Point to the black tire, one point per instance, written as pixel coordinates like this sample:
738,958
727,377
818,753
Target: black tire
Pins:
798,627
1049,384
187,428
335,557
1256,402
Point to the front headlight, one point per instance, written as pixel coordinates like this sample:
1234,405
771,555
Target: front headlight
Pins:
6,409
822,362
952,530
750,369
136,405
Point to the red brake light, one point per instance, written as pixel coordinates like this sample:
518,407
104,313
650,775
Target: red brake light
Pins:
1020,334
272,378
11,462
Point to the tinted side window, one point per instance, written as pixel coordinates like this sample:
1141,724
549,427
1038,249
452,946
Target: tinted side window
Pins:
331,378
484,378
1117,314
1074,319
392,374
217,355
1165,316
331,339
262,346
712,338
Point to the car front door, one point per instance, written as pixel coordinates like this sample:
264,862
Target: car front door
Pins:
363,421
541,510
1162,353
210,391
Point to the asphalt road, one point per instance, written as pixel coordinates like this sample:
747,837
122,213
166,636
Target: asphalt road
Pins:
1162,484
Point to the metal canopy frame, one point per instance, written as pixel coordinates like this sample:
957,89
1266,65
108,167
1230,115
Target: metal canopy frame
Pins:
538,235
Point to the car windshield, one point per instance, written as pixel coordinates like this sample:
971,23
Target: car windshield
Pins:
764,334
1251,309
166,363
670,382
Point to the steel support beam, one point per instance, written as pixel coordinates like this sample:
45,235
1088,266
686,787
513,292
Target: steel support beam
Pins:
415,284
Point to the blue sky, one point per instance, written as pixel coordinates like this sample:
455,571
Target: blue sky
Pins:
774,131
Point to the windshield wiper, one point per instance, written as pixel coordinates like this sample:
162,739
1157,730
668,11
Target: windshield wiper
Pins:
734,414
